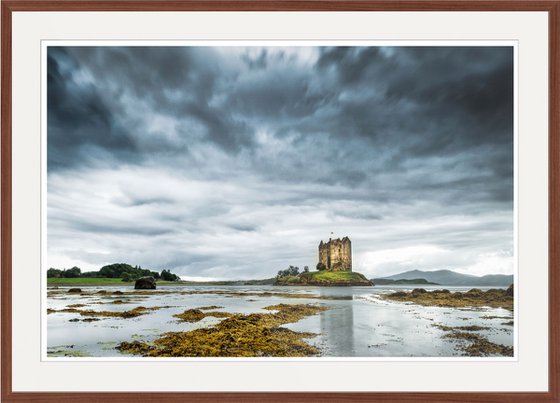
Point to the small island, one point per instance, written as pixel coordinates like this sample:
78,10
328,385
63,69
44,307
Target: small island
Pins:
333,270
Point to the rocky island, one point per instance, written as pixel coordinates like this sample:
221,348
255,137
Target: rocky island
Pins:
325,279
333,270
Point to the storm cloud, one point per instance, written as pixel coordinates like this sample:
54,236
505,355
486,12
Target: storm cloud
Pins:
234,162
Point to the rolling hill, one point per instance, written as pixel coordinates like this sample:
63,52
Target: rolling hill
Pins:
449,277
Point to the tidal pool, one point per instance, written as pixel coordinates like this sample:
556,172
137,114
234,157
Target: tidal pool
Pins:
357,323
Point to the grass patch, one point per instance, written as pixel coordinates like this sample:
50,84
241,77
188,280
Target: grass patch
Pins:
53,281
326,278
86,281
495,298
332,275
252,335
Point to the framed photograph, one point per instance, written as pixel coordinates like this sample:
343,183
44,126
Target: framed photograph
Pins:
284,201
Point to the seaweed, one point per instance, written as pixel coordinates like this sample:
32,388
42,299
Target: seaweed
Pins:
251,335
133,313
195,315
473,344
471,328
74,290
473,298
479,346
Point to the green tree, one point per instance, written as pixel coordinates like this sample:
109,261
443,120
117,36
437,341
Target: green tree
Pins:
166,275
53,273
72,273
116,270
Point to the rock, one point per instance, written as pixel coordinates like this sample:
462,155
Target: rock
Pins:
75,290
145,283
474,291
417,291
509,291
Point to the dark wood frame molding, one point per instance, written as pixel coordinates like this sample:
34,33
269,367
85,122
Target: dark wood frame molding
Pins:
552,7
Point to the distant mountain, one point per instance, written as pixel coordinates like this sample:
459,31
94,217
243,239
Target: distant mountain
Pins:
449,277
266,281
416,281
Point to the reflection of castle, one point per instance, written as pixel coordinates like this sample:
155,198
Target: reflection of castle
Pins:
336,255
337,331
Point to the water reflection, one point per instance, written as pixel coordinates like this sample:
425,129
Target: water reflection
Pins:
339,323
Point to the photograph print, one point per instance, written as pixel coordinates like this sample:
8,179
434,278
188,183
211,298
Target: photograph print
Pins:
279,201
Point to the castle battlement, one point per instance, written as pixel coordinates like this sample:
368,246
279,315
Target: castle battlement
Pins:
336,254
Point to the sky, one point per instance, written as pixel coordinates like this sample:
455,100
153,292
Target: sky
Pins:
235,162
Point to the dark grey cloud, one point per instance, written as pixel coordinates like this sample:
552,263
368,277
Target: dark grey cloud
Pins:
77,117
203,155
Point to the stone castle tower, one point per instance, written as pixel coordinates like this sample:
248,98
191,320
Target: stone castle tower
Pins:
336,255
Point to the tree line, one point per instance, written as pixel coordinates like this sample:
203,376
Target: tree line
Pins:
116,270
291,271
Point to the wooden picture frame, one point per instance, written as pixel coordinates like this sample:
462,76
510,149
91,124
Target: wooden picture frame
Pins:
552,7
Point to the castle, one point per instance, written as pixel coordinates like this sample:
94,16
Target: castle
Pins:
335,255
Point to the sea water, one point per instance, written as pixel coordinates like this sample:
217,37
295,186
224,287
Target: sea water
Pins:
358,322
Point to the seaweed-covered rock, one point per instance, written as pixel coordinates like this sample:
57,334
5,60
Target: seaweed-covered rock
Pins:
73,290
474,291
473,298
145,283
443,291
419,291
509,291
